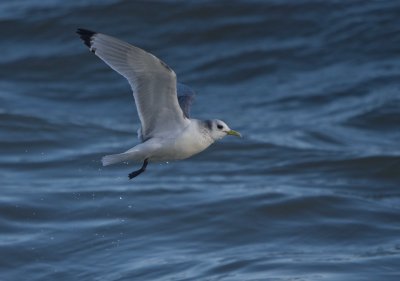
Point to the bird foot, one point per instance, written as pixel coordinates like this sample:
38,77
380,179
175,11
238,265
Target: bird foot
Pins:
135,173
141,170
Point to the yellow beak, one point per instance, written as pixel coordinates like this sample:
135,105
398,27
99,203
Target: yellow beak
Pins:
234,133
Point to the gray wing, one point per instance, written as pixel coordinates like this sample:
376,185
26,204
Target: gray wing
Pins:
186,97
153,83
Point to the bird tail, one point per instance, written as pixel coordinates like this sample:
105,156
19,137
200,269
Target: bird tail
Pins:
137,154
132,154
115,158
121,157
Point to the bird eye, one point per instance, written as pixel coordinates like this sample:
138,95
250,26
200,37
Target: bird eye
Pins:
220,127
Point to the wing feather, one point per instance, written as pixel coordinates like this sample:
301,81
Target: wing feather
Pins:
153,83
185,98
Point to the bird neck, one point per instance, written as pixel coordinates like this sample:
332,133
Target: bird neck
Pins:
204,127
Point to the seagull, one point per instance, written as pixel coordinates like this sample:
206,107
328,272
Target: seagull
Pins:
167,132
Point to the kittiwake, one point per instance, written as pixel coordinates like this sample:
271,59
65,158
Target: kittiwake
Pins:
167,132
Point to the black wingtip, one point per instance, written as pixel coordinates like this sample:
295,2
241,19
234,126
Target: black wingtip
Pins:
86,35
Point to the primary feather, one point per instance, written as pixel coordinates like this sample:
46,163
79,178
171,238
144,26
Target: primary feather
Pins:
153,83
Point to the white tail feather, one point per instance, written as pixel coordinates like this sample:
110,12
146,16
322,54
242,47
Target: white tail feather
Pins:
131,155
114,158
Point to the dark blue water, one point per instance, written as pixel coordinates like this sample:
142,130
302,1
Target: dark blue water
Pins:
310,193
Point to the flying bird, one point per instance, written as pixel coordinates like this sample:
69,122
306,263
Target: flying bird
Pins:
167,132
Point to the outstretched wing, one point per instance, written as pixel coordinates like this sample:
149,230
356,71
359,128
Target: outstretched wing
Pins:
185,98
153,82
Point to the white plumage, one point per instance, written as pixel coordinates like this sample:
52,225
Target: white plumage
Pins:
166,131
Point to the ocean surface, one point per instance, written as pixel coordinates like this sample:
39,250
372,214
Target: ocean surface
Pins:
311,192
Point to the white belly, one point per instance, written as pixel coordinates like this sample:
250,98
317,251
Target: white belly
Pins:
186,144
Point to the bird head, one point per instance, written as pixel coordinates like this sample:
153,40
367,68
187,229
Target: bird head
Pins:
219,129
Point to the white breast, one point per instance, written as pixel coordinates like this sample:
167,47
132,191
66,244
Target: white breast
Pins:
192,140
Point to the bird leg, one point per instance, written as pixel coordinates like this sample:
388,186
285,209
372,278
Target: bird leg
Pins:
141,170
